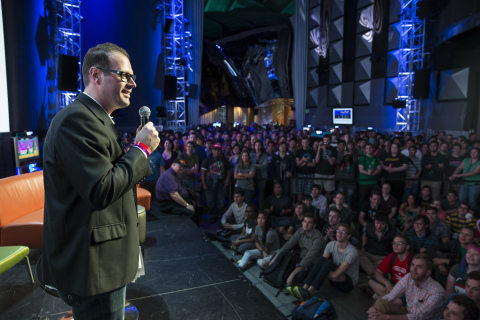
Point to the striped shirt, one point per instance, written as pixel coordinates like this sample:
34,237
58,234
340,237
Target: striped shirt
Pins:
456,223
424,302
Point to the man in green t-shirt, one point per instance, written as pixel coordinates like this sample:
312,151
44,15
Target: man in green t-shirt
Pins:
369,167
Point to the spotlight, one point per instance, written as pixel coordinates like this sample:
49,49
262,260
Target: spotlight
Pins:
78,16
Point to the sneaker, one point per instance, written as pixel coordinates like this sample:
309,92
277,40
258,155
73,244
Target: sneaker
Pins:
292,292
301,294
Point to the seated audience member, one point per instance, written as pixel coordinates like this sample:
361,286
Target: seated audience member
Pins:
266,243
396,265
461,308
171,194
425,198
472,287
376,243
424,296
458,220
451,203
369,209
278,207
234,217
246,239
408,210
341,270
448,254
319,202
438,227
286,233
311,244
307,200
388,203
329,231
340,205
441,214
421,237
457,276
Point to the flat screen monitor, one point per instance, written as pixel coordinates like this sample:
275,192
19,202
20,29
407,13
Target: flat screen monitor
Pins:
26,149
343,116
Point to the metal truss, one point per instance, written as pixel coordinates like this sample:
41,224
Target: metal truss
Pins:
177,57
412,56
68,40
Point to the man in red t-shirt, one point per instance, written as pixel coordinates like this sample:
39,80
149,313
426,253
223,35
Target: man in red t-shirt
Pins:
379,285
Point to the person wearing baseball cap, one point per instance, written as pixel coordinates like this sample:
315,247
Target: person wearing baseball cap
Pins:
171,195
215,178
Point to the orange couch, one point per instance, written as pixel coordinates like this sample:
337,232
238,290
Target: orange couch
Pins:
21,210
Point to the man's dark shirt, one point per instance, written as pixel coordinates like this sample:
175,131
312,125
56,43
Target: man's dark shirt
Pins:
369,212
216,168
307,154
435,173
280,203
324,167
169,182
282,165
394,162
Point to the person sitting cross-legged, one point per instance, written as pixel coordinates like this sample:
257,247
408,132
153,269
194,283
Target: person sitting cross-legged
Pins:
376,243
424,296
341,270
246,239
311,244
234,218
396,264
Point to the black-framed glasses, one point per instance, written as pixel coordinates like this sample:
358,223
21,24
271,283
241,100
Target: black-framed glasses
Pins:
124,76
399,243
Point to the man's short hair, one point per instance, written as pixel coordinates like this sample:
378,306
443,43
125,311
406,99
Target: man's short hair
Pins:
283,142
254,209
307,197
404,238
454,192
425,257
238,191
430,208
474,275
375,192
471,229
316,186
434,141
466,203
301,204
369,144
192,143
327,135
333,209
99,56
381,216
424,219
412,147
310,215
340,192
277,182
470,308
347,227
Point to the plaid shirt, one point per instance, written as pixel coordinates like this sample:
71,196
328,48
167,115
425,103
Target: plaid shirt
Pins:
429,240
424,302
440,229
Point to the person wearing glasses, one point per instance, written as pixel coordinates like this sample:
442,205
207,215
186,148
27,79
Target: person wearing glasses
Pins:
90,243
396,264
421,237
341,270
463,218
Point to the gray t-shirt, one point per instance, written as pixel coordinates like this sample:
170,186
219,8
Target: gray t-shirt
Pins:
272,238
460,279
349,254
246,184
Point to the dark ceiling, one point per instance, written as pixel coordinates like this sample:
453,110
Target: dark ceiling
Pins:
228,17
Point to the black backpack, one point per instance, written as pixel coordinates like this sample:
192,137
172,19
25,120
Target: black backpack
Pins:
315,309
276,275
392,261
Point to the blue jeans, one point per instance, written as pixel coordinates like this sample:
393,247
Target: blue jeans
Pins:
215,194
470,193
319,274
412,189
104,306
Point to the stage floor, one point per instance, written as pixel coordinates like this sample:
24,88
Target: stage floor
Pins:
187,277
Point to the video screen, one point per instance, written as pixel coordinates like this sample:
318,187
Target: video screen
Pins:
343,116
27,148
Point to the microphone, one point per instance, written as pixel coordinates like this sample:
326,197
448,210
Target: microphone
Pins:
144,113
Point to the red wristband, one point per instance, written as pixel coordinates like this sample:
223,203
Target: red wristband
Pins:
144,146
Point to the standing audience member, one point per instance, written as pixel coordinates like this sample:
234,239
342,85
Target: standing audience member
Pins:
424,296
215,178
192,162
433,169
394,165
284,164
413,172
168,154
261,164
346,176
369,167
244,174
470,168
305,161
325,166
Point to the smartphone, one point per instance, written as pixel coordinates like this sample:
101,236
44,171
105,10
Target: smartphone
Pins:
319,132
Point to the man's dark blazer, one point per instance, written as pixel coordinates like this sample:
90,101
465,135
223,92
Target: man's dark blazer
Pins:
90,236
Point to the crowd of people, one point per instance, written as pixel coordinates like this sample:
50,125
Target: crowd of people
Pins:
402,208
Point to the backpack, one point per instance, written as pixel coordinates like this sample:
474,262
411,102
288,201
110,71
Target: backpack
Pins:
392,261
276,275
315,308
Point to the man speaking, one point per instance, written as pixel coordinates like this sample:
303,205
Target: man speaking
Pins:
90,237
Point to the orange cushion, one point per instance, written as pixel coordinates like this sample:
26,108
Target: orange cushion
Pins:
144,197
25,231
21,195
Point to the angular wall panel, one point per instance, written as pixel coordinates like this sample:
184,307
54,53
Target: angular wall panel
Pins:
453,84
335,96
391,89
336,51
394,36
312,97
312,78
364,47
335,73
336,29
392,63
337,8
363,68
313,58
362,93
